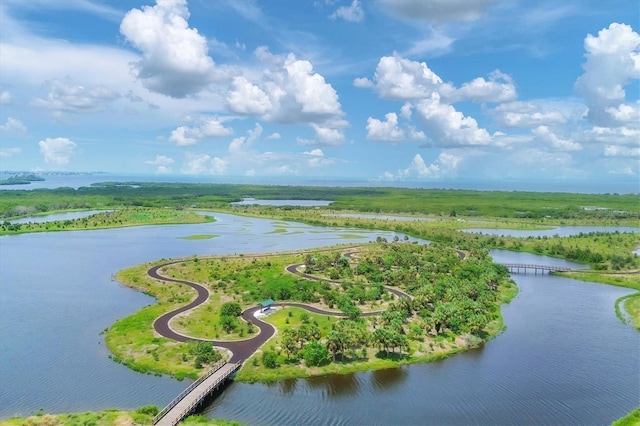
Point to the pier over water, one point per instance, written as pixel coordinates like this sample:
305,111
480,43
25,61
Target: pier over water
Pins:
185,403
522,268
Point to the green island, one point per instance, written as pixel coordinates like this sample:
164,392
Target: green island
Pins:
22,179
442,304
383,303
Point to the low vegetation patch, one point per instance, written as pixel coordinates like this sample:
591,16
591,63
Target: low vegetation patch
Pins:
141,416
200,237
631,419
109,219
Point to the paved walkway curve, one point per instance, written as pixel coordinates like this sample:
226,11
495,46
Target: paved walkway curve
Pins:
240,349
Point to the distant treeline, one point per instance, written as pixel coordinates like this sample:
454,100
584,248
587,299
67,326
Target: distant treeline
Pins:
21,179
514,204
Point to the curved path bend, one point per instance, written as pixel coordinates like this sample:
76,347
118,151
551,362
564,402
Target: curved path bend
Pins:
240,349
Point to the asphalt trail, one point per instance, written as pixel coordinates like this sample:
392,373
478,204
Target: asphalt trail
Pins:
240,349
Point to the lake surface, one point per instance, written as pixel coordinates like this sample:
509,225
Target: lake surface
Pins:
564,359
58,293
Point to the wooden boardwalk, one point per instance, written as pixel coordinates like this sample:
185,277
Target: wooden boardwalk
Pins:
518,268
191,397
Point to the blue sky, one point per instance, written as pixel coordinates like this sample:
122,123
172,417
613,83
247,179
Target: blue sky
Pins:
381,90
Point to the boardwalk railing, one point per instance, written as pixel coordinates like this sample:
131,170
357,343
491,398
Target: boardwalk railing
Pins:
203,394
516,267
217,366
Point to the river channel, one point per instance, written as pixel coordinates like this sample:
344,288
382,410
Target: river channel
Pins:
564,359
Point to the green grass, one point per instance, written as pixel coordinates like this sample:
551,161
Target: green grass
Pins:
199,237
631,419
98,418
111,219
629,280
111,417
632,306
292,317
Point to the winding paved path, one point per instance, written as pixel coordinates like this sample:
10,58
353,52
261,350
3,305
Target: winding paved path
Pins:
240,349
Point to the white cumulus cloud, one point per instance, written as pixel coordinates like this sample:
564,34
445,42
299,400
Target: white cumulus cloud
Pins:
443,166
612,62
289,91
447,127
196,164
13,125
208,127
398,78
247,98
545,135
526,114
386,130
621,151
163,163
499,88
57,150
175,57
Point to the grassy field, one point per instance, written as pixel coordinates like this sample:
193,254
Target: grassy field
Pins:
142,416
110,219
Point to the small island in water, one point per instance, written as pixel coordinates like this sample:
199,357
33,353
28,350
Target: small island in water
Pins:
22,179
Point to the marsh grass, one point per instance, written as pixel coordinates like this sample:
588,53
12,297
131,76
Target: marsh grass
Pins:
120,218
199,237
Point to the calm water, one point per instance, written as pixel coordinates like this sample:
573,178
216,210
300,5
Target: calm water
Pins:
57,295
565,358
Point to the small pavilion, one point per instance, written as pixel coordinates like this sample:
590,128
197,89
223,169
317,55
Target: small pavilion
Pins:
266,304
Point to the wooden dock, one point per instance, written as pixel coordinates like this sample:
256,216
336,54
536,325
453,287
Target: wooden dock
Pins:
521,268
191,397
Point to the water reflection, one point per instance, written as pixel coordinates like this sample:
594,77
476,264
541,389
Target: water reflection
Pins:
387,380
336,386
288,386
